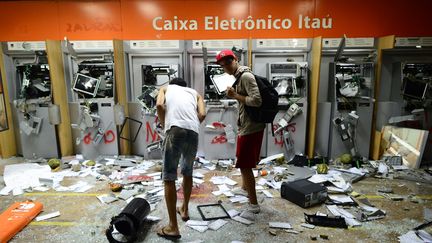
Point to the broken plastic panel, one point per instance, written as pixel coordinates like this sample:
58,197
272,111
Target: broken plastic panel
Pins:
158,74
31,126
212,211
35,81
289,80
148,98
353,80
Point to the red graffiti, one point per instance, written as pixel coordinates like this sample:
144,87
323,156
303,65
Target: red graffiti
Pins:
218,125
87,138
278,138
150,131
107,138
221,139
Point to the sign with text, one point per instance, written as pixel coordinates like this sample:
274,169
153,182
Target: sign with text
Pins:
208,19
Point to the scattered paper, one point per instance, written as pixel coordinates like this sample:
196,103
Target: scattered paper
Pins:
219,180
200,229
6,190
280,225
318,178
309,226
411,237
107,198
232,213
48,216
197,223
242,220
270,158
248,215
261,181
25,175
341,198
267,193
153,218
239,199
217,224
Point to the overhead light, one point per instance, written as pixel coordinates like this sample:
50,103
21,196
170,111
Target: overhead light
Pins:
418,46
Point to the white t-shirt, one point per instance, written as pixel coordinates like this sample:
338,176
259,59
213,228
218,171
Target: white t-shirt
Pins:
181,108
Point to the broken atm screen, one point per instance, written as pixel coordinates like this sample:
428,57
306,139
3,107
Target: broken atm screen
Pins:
85,84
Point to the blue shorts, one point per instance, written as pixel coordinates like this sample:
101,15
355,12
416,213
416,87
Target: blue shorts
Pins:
179,145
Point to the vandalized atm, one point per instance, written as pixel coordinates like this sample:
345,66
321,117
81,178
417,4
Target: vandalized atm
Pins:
284,63
290,81
89,67
345,98
218,132
152,64
351,92
405,98
31,97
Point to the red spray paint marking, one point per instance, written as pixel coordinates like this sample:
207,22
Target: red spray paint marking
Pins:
220,139
109,137
278,138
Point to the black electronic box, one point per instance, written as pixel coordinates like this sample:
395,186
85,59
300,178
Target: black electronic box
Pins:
303,192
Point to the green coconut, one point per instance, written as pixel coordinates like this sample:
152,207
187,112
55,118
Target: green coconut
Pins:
91,163
322,168
346,158
54,163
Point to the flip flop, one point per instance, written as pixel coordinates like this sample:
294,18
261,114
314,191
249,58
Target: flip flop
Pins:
168,237
183,218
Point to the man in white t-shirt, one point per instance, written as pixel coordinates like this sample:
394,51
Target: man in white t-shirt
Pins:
180,110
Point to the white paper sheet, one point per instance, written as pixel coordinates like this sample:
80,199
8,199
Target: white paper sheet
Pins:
280,225
223,81
341,198
217,224
270,158
48,216
25,175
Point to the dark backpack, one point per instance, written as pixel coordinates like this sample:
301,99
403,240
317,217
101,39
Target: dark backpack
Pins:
269,106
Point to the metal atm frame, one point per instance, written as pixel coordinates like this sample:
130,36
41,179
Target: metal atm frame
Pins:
93,119
146,58
218,132
35,131
391,104
266,52
357,49
341,117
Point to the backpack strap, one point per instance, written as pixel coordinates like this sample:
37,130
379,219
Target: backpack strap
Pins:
238,79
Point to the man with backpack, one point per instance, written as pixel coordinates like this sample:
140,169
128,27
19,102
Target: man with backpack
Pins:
250,132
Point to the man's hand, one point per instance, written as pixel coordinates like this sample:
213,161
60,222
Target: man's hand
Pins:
231,92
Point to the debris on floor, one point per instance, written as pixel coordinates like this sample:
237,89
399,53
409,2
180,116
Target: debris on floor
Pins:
132,177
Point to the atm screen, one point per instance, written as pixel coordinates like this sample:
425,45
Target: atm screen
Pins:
86,85
414,89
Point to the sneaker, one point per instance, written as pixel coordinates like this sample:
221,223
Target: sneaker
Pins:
239,191
253,208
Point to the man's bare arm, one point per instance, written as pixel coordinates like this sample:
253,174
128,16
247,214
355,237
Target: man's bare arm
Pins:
160,106
201,108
